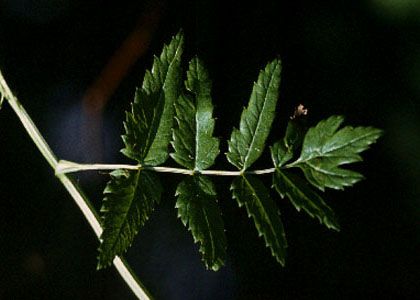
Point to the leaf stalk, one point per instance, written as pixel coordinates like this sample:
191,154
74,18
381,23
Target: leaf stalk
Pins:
65,167
72,188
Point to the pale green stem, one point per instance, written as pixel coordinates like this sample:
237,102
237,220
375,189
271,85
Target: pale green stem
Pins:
65,166
73,189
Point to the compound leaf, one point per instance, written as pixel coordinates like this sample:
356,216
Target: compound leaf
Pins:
148,125
247,143
250,191
130,197
303,197
193,141
198,209
325,149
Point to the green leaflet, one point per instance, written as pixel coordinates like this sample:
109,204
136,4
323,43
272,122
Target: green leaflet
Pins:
280,153
247,144
325,149
283,150
303,197
195,147
251,192
148,125
130,197
197,208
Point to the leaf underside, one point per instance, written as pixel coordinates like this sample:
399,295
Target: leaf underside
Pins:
198,209
325,149
130,197
148,125
303,197
247,144
193,141
250,191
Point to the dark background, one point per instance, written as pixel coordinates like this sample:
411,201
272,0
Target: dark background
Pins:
360,59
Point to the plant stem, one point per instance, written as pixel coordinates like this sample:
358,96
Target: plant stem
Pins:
72,188
65,167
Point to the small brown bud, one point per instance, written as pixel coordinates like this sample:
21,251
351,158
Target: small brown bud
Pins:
300,110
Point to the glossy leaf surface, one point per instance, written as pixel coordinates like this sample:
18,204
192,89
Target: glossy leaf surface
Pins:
193,141
303,197
148,126
130,197
251,193
198,210
325,149
247,144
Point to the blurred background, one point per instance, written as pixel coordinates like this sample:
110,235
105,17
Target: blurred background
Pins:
74,65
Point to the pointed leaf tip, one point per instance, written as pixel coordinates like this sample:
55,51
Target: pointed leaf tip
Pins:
250,192
247,144
193,141
129,199
148,124
198,209
302,197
